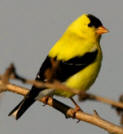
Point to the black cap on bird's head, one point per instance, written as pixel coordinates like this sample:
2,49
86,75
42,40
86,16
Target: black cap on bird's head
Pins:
95,22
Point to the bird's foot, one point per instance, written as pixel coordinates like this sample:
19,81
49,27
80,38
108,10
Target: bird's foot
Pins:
75,110
72,112
46,100
77,107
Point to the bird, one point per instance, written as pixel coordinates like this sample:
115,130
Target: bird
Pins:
74,60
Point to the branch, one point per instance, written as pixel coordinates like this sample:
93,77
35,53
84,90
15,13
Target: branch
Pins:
56,85
94,119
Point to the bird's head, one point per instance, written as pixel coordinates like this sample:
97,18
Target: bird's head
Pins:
88,26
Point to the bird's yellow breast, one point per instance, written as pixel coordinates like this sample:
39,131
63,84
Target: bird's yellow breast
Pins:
84,79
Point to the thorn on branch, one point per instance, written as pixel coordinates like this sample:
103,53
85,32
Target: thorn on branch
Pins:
83,96
16,76
120,110
5,77
96,114
7,73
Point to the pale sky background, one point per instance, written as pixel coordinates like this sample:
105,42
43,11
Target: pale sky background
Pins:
28,29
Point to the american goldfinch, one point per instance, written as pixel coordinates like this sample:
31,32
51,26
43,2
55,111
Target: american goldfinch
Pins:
74,60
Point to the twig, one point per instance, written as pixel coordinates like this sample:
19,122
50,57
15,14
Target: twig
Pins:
120,110
105,100
59,86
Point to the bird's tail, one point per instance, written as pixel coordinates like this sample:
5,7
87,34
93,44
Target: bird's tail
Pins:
30,98
21,107
15,110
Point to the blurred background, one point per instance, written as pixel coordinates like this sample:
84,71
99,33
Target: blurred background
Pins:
28,29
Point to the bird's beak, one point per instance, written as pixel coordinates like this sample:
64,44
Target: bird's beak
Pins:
101,30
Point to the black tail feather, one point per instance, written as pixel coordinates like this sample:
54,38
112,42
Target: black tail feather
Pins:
15,108
25,105
28,100
22,107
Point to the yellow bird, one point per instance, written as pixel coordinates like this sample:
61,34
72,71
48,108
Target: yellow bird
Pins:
74,60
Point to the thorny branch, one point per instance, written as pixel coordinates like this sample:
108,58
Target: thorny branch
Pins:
94,119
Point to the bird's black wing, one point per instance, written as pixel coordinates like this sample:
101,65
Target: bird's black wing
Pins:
29,99
74,65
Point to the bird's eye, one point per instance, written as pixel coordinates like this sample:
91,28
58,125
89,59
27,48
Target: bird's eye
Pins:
90,24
